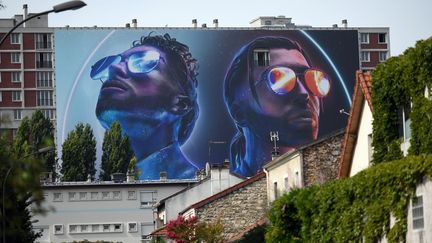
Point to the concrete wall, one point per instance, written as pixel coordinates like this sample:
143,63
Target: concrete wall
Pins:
362,153
219,180
237,210
425,234
93,207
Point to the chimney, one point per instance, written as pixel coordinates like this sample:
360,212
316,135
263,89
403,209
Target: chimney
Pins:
204,25
128,25
134,23
130,177
25,8
216,23
344,23
67,26
89,178
163,175
335,26
194,23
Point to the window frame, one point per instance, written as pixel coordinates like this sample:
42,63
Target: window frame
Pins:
261,57
380,57
367,55
17,115
415,207
14,56
385,38
366,39
16,77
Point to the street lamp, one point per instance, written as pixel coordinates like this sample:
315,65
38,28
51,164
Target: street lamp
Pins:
40,151
71,5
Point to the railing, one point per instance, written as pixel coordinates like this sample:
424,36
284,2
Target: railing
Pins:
43,45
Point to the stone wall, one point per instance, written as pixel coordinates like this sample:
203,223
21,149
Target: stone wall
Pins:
321,160
237,210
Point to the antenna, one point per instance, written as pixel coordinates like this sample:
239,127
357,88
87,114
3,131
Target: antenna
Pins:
274,137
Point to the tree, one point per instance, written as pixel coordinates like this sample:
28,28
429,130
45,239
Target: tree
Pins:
34,134
20,173
79,154
116,152
184,230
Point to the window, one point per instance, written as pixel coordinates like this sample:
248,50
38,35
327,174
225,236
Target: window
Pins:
44,79
267,22
16,95
44,60
106,227
286,184
382,56
16,76
72,228
405,122
45,98
15,57
95,228
131,195
146,229
58,229
417,212
49,114
147,198
17,115
58,197
365,56
94,195
370,148
275,190
105,195
117,228
261,57
382,38
15,38
1,99
83,195
72,196
84,228
43,41
364,38
132,227
116,195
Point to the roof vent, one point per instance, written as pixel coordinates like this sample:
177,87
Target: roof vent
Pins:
118,177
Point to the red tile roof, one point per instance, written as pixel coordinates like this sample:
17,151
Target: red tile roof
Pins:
226,192
162,231
362,91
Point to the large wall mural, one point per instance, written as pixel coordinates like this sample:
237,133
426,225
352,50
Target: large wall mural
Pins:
190,96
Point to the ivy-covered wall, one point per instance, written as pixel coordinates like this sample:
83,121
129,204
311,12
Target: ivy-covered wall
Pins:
397,82
349,209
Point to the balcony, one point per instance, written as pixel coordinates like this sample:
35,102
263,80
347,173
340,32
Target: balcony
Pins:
43,64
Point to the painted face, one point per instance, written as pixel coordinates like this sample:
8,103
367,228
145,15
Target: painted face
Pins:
137,83
288,92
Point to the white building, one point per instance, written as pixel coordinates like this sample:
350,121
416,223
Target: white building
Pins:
114,212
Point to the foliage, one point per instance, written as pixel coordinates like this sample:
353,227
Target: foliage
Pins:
79,154
133,168
401,81
116,152
349,209
190,230
256,235
20,174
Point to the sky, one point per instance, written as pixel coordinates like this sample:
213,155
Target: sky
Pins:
408,21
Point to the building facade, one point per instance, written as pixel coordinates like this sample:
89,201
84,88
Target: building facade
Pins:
27,78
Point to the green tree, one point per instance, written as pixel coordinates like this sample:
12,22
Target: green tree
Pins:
20,174
79,154
116,152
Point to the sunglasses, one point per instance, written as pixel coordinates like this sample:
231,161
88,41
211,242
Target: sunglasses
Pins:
137,63
282,80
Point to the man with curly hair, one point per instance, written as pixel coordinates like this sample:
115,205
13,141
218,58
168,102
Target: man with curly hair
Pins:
151,90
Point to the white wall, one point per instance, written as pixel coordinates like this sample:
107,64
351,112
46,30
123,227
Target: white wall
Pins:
361,156
421,235
290,167
94,213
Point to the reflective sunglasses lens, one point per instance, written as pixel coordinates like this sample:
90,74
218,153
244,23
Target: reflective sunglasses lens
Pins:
317,82
281,79
100,70
143,62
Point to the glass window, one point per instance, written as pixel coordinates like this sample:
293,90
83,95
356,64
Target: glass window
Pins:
132,227
382,56
117,228
267,22
15,57
417,212
364,38
72,196
1,98
83,195
261,57
49,114
45,98
106,228
95,228
131,195
72,228
43,41
16,76
94,195
44,60
58,229
84,228
116,195
365,56
58,197
44,79
382,38
105,195
17,115
275,190
15,38
147,198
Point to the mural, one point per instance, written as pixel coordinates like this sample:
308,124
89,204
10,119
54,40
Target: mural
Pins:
178,93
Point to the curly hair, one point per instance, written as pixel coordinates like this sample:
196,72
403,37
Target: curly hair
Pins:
186,71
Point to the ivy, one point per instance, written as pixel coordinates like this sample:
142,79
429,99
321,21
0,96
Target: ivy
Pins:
351,209
397,82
